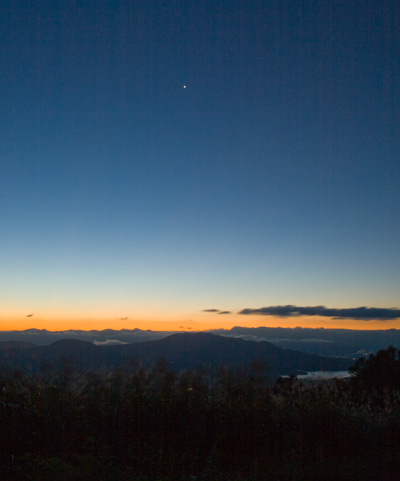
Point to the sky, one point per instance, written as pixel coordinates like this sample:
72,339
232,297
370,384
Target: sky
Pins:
163,162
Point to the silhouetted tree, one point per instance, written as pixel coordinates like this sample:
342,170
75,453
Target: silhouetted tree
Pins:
380,372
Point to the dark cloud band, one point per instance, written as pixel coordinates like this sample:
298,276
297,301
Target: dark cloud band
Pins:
358,313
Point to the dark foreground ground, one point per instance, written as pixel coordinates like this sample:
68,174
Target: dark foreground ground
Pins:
156,425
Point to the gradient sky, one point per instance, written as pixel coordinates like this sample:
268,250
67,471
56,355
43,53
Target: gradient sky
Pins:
271,179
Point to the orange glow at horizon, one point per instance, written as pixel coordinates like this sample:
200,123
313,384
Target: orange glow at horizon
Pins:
190,322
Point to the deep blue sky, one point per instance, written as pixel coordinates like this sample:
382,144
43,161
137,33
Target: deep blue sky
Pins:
272,178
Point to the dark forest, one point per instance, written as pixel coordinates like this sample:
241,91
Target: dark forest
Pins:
155,424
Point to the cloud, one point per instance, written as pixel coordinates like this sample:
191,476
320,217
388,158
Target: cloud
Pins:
357,313
216,311
247,337
300,341
109,342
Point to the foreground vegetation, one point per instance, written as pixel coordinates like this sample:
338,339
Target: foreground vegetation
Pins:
154,425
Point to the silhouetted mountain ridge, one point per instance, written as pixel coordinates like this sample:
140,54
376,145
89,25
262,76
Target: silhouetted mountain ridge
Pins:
324,342
182,351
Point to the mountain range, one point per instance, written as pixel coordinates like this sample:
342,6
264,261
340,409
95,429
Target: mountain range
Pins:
325,342
181,351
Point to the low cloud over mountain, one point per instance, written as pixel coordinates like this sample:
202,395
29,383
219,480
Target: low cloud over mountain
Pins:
108,342
324,342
